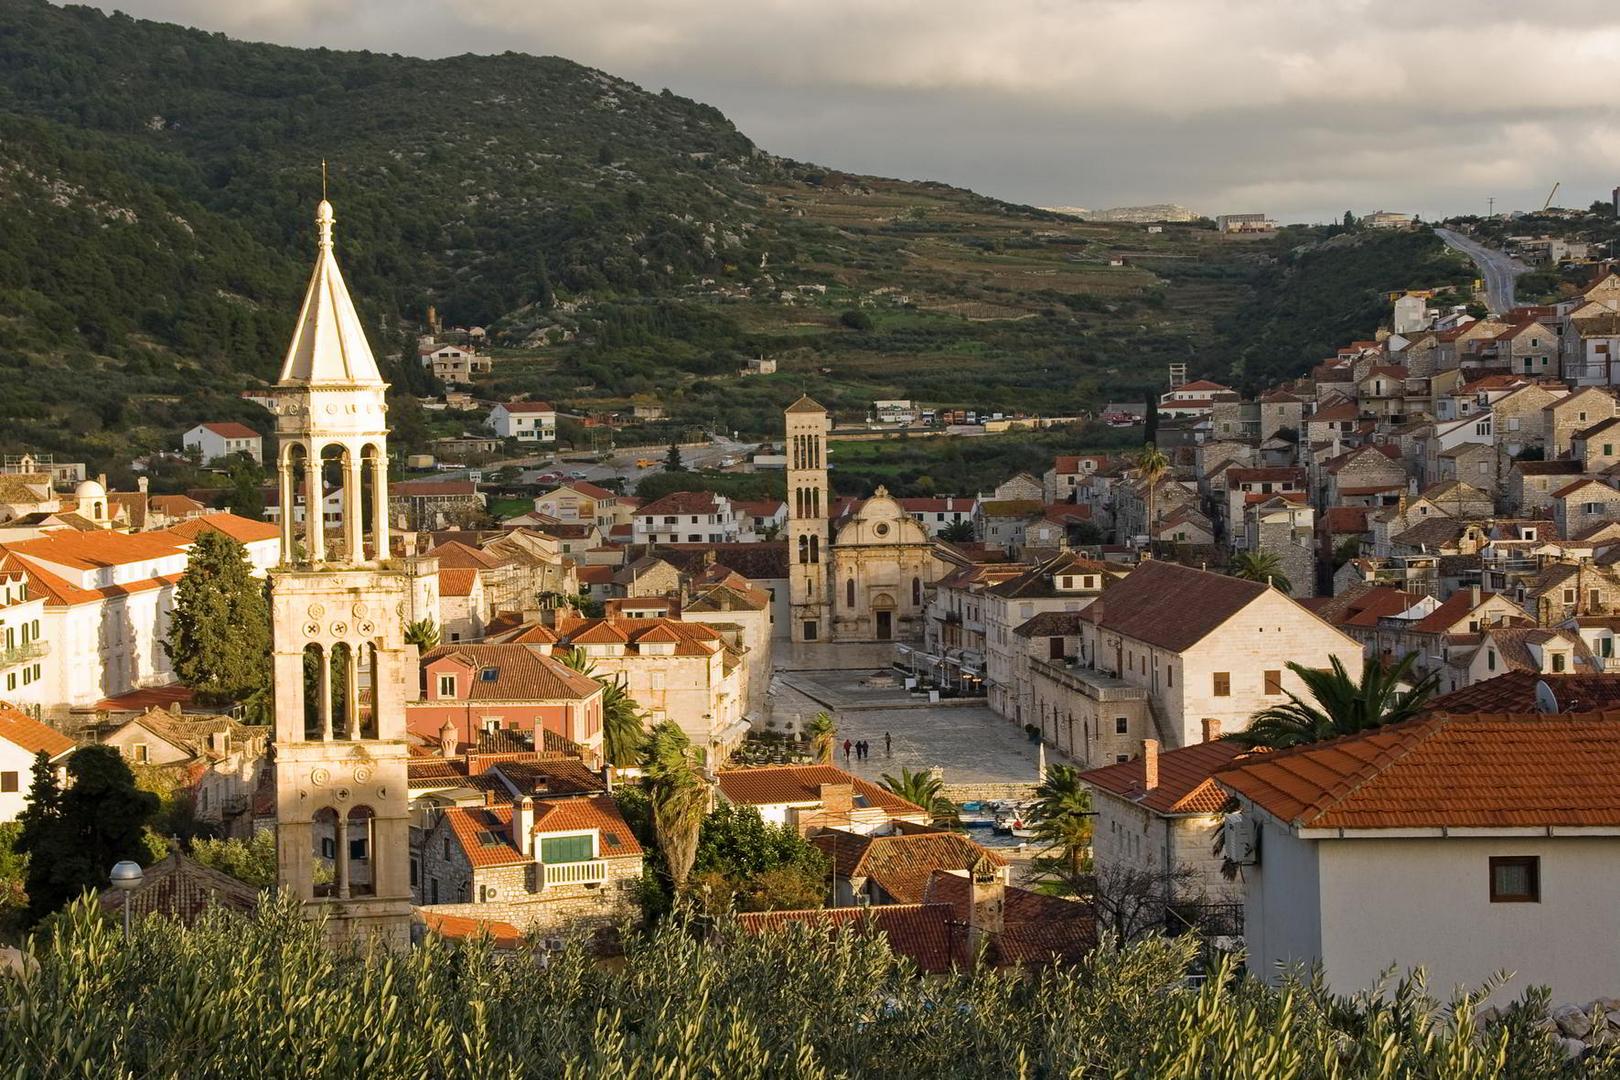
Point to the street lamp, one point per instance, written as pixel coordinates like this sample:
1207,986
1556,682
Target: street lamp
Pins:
126,876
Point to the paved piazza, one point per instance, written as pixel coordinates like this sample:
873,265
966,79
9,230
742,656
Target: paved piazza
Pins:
969,742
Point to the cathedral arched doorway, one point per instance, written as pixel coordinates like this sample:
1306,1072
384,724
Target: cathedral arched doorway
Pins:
883,616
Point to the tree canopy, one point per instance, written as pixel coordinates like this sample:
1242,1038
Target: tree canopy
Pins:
219,633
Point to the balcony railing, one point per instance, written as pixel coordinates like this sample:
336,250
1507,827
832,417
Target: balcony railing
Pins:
23,653
575,873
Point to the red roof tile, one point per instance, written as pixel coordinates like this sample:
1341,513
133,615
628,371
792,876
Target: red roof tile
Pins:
926,934
22,730
770,785
1186,784
1172,606
1480,770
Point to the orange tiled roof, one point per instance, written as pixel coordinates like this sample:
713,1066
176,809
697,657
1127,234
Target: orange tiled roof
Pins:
1185,779
504,936
926,934
513,672
457,580
1172,606
22,730
242,530
98,550
783,784
1480,770
901,863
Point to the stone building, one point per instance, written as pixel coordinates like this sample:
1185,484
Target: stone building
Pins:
863,576
535,863
342,669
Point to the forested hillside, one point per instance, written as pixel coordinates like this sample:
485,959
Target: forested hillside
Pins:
622,245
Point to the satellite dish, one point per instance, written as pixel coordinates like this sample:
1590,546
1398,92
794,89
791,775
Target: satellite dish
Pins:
1546,700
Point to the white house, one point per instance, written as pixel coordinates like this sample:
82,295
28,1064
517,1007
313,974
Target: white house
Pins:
23,647
1466,844
22,738
216,441
691,517
1206,646
525,421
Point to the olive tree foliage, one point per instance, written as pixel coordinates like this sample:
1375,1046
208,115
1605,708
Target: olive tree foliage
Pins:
205,1002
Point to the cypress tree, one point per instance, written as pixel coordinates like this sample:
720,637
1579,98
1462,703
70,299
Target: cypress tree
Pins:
219,635
99,820
672,459
1150,420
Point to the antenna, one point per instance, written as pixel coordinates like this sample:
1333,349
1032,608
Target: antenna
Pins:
323,178
1546,700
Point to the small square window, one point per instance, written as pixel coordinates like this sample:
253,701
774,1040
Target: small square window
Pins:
1223,684
1122,725
1515,879
8,781
1274,684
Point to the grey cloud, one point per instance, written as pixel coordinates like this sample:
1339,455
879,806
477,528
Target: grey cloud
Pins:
1301,108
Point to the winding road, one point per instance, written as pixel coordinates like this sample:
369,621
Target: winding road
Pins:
1497,268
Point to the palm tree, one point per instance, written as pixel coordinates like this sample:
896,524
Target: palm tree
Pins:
424,634
679,797
822,731
1062,814
1261,566
1151,465
1339,705
922,789
623,725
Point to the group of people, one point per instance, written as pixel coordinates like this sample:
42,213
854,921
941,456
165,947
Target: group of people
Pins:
863,749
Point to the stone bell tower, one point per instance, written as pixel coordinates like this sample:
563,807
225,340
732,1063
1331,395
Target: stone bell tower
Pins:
809,507
342,667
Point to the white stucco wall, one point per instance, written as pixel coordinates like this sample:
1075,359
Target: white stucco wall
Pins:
1569,941
1282,913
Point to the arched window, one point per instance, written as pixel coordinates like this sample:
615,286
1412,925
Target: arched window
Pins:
916,592
804,549
815,549
849,593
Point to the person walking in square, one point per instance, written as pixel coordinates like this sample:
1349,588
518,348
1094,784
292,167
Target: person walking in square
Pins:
847,746
888,744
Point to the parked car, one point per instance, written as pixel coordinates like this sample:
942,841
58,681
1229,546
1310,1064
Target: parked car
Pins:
576,475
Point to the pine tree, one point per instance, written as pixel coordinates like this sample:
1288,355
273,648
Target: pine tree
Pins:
99,820
44,801
219,635
672,459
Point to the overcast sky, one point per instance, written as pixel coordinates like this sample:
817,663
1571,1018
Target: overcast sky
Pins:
1299,108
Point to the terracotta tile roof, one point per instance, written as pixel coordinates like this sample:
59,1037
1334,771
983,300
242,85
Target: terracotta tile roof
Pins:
901,863
1237,474
1570,489
484,834
460,556
1185,779
242,530
582,487
926,934
770,785
147,698
175,505
232,430
1036,929
22,730
1515,692
761,561
1344,519
1051,624
100,549
594,575
682,502
528,406
503,936
1333,413
526,634
1456,608
511,672
1172,606
432,488
547,778
1473,770
1362,605
693,639
598,812
457,581
182,888
1202,384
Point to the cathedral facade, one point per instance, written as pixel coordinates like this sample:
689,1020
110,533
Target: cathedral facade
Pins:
860,575
343,670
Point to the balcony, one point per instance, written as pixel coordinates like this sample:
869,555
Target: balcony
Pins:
1097,685
592,872
23,653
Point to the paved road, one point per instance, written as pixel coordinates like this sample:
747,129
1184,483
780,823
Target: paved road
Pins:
1497,268
620,465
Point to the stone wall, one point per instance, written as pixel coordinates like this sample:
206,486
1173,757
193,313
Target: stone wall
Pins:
961,793
560,908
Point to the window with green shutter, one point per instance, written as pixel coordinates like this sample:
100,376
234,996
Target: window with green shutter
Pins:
565,849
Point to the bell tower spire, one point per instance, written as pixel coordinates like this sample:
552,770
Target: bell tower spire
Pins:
342,666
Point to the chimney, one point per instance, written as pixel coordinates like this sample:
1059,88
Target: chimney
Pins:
1473,596
1212,728
986,901
523,825
447,740
837,798
141,484
489,797
1150,764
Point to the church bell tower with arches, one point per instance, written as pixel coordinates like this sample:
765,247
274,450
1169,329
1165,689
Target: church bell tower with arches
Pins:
342,667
